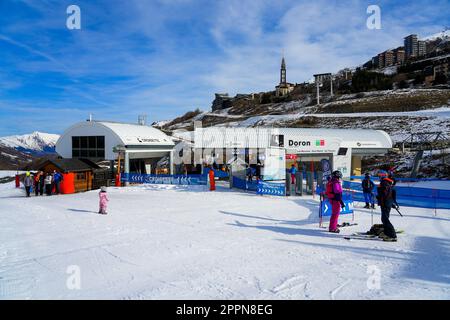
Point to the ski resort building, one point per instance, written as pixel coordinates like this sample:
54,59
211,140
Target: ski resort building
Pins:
140,148
278,148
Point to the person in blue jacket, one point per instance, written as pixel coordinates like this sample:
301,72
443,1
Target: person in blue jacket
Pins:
57,178
293,170
368,186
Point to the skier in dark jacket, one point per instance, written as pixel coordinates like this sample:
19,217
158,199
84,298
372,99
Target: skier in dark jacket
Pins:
367,187
36,183
387,200
57,178
41,183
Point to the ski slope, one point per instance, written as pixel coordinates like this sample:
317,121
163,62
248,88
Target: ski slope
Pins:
167,242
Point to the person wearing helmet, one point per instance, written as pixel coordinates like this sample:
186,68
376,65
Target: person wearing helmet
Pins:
386,197
334,194
28,182
367,187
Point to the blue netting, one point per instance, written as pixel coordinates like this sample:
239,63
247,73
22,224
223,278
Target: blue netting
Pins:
409,196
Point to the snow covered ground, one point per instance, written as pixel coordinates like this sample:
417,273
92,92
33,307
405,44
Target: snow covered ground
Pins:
184,243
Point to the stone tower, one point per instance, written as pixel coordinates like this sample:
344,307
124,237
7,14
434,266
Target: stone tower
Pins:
283,72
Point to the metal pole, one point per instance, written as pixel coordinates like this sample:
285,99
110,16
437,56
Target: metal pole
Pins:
331,82
127,166
318,95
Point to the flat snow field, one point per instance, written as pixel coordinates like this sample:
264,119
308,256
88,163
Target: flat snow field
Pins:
167,242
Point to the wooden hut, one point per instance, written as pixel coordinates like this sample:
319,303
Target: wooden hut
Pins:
79,174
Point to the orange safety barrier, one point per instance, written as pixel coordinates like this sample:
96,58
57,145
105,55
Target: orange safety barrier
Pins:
67,186
212,182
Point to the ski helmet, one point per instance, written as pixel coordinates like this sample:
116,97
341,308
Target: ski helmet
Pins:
337,174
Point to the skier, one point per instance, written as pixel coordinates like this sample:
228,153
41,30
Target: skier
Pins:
57,178
368,186
249,174
41,183
48,184
387,200
334,194
103,198
37,177
28,183
293,170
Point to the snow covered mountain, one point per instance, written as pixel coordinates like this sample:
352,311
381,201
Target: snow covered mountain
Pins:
34,143
444,35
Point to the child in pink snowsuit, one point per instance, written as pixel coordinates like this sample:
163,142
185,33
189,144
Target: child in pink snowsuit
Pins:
103,200
336,200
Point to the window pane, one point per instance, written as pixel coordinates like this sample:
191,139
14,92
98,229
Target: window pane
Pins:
101,142
84,142
101,154
83,153
75,153
75,142
92,142
92,154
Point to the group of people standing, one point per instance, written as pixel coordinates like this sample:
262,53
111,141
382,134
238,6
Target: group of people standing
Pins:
386,197
41,182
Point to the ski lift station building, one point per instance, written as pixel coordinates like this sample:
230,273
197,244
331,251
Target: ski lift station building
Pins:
343,148
141,146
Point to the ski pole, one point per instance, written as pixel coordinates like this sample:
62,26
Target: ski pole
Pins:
398,212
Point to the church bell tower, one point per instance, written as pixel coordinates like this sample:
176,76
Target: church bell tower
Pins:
283,72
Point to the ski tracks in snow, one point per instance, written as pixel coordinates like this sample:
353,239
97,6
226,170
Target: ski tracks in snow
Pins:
292,287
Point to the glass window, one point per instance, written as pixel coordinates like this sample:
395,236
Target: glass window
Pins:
101,142
84,142
75,142
88,147
92,142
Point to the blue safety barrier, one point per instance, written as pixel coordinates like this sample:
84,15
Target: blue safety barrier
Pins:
401,179
409,196
194,179
244,184
217,173
275,189
325,209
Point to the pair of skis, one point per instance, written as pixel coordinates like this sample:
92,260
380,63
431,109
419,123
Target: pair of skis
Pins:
366,236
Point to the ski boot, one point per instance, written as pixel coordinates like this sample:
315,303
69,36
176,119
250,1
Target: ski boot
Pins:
387,238
335,230
367,206
373,206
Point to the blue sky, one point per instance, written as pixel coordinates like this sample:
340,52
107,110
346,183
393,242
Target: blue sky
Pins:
165,57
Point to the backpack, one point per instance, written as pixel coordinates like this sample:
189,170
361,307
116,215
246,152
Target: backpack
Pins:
385,193
376,229
366,184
